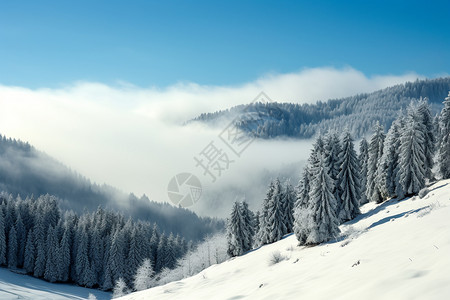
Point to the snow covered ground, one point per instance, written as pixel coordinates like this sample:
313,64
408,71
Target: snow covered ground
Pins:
396,250
18,286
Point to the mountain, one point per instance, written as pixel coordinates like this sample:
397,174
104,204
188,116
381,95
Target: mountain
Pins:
358,113
394,250
27,171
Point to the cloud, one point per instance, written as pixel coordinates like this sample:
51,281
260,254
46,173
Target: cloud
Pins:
131,138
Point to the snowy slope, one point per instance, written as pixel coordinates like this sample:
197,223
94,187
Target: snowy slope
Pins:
18,286
396,250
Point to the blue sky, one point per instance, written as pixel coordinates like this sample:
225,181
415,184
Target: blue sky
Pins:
159,43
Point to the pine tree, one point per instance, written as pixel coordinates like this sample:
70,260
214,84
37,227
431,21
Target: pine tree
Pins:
161,253
21,240
373,191
2,239
120,288
287,204
51,267
236,231
275,223
363,160
40,247
144,276
388,166
64,257
426,119
412,155
320,223
82,259
349,180
444,142
116,258
12,248
170,258
262,236
331,154
303,189
29,253
248,224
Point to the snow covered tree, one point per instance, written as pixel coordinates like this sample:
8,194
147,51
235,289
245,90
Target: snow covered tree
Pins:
82,259
303,189
423,109
331,155
412,155
120,288
12,248
287,204
115,267
64,257
236,231
143,278
375,153
388,166
2,239
262,236
444,142
170,258
51,266
319,222
29,253
363,160
248,217
275,215
349,180
21,240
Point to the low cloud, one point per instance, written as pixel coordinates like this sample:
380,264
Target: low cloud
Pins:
132,138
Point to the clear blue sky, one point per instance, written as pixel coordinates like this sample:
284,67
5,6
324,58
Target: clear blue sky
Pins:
158,43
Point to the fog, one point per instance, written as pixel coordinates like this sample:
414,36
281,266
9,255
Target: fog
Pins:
132,137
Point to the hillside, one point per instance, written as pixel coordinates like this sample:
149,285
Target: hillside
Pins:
357,113
18,286
27,171
395,250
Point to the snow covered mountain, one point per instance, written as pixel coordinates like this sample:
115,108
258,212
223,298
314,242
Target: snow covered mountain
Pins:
394,250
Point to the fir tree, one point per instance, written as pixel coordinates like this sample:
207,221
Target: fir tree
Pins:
287,204
120,288
12,248
275,223
236,231
426,119
363,160
21,240
388,167
2,239
29,253
262,236
412,155
64,257
321,222
373,191
144,276
444,142
51,267
247,218
349,180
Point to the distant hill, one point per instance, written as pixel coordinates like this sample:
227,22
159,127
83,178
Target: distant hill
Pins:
27,171
357,113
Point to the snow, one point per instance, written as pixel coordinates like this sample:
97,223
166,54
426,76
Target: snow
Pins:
19,286
394,250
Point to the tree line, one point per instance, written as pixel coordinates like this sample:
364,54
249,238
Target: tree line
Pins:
336,180
95,249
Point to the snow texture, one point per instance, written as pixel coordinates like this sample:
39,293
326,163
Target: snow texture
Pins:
394,250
